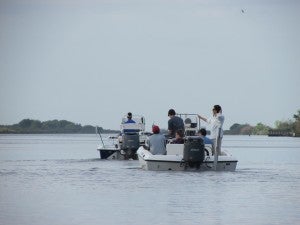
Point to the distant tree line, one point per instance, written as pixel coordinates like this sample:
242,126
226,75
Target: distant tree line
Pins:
289,127
29,126
246,129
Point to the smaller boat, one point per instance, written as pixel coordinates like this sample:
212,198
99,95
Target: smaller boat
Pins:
126,144
192,155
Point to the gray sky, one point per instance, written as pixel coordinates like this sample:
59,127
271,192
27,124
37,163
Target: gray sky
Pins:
92,61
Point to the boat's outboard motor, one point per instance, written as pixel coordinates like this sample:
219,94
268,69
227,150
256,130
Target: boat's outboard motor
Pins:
193,153
130,144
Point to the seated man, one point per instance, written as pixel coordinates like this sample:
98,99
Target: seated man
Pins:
129,126
202,134
156,143
178,137
129,118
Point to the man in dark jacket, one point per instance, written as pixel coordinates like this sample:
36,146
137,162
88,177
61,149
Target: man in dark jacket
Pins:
175,123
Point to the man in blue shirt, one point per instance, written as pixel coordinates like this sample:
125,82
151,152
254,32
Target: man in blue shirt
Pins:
206,140
129,118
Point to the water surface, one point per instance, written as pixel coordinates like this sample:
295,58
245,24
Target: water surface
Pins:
60,180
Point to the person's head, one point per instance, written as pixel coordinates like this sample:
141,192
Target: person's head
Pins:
171,112
179,134
202,132
155,129
129,115
217,109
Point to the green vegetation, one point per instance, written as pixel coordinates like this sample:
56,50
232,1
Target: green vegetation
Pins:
289,127
29,126
239,129
297,124
246,129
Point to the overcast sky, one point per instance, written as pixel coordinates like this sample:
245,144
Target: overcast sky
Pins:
92,61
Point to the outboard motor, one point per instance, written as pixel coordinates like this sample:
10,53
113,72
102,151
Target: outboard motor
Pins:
193,153
130,144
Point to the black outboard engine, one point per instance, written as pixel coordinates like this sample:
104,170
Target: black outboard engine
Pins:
130,144
193,153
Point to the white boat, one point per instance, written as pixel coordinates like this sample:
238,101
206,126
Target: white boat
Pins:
125,145
192,155
173,161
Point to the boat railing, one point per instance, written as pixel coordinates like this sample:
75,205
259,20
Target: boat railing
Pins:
191,122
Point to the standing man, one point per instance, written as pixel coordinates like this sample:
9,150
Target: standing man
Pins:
216,121
175,123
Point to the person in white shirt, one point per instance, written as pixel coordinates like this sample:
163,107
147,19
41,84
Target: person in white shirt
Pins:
216,121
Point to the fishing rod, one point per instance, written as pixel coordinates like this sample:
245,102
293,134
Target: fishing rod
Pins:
98,132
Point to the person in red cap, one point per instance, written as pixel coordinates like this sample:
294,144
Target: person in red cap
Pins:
156,143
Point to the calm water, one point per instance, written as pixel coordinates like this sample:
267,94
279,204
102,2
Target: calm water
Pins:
59,180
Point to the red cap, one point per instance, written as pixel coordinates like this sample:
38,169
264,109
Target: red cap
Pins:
155,129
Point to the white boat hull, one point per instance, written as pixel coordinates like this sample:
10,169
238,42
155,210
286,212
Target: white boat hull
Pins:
112,149
176,162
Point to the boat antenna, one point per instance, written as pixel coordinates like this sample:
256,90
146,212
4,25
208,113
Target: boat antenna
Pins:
98,132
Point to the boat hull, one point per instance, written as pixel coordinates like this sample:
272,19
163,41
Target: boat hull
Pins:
116,153
176,162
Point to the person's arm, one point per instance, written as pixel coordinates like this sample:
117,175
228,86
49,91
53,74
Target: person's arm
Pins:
147,143
202,118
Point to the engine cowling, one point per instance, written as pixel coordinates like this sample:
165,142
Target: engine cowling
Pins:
194,151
